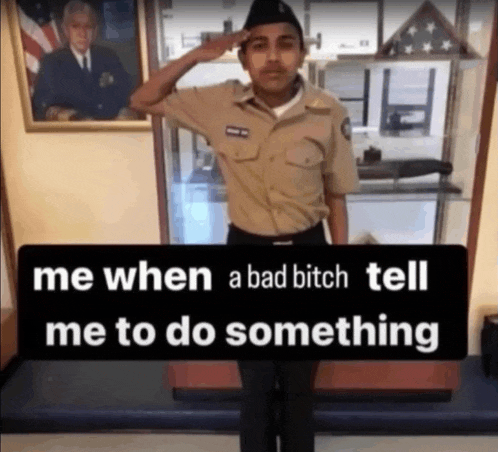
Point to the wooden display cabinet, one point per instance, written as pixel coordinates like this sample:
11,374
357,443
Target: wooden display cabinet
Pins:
333,378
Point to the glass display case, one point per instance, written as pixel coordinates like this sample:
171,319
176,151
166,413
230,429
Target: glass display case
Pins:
416,110
412,75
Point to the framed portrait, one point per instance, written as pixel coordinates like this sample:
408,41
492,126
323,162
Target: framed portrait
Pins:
78,62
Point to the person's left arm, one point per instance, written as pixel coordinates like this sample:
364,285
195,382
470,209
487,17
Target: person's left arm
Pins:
338,218
340,176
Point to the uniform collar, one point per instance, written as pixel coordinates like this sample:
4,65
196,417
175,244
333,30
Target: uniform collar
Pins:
79,57
312,97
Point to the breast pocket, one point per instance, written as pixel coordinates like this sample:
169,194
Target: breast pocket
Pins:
304,167
304,154
240,152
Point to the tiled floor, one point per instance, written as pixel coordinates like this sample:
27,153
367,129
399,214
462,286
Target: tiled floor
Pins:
174,442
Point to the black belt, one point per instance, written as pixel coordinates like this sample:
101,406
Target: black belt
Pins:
312,236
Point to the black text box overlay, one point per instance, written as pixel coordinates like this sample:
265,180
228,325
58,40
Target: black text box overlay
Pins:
218,302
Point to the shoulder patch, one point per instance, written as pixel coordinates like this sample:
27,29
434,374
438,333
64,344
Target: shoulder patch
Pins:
346,129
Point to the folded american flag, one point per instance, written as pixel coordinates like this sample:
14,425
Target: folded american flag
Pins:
425,34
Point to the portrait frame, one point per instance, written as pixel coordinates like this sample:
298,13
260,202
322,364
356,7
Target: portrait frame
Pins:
36,125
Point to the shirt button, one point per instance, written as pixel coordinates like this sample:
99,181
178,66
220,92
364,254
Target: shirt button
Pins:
100,106
272,159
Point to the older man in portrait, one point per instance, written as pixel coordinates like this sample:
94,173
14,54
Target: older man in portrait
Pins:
81,81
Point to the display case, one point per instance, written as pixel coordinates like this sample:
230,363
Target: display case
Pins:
415,101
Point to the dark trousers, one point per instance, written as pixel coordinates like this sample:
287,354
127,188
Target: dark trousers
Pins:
313,236
259,420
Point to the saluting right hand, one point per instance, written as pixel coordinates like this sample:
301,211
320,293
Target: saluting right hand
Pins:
216,47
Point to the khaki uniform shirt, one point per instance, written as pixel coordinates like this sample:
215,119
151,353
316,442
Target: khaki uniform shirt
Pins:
275,169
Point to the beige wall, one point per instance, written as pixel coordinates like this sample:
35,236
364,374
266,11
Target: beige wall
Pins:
7,302
100,187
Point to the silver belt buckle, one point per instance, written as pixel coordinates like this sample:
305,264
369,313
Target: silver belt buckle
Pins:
290,242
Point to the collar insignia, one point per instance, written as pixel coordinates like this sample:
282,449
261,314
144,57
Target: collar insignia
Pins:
318,103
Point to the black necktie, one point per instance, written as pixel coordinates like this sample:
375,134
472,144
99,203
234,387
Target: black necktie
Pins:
85,66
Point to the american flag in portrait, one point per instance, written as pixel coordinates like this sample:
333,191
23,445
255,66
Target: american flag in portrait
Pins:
427,33
39,34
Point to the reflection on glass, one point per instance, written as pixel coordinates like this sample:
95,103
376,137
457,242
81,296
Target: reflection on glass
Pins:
346,27
409,86
407,100
415,117
356,110
351,85
197,195
346,82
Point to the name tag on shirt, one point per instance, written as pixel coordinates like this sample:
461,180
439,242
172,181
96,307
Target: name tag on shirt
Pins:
234,131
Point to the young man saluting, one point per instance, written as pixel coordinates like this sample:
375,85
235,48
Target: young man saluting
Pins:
283,146
284,149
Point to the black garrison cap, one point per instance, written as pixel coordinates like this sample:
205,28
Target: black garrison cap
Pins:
264,12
